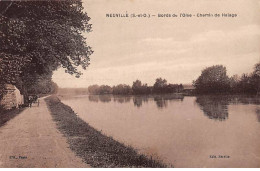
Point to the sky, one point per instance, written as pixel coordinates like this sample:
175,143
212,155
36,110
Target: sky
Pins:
177,49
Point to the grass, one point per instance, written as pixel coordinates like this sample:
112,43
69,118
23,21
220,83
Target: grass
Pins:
6,115
92,146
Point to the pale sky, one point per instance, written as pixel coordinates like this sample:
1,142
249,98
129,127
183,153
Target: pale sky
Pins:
177,49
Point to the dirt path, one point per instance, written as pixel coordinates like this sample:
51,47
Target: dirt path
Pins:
32,140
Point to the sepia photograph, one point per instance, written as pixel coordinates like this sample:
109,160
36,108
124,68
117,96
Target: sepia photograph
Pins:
129,83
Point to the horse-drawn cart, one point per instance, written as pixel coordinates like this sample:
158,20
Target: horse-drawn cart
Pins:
33,99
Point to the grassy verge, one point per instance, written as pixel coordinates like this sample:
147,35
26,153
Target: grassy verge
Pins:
93,147
6,115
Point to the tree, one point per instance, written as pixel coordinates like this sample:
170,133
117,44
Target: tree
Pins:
174,88
160,85
257,69
249,83
43,85
234,83
139,88
256,77
122,89
37,37
93,89
105,89
213,79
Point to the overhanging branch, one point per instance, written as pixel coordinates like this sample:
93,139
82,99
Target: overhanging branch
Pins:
4,11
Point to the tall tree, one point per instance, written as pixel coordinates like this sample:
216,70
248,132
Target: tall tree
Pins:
213,79
37,37
256,77
160,85
257,69
139,88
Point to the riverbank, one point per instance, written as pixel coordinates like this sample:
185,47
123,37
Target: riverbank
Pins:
92,146
31,140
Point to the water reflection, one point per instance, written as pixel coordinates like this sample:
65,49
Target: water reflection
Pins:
215,107
171,126
258,113
105,98
138,100
122,99
93,98
101,98
244,100
108,98
161,102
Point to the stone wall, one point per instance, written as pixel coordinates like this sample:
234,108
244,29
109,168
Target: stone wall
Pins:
12,97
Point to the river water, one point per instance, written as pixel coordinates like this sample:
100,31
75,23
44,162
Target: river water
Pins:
203,131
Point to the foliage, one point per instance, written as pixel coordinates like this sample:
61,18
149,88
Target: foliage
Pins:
257,69
93,89
122,89
173,88
37,37
160,85
213,79
139,88
43,86
105,89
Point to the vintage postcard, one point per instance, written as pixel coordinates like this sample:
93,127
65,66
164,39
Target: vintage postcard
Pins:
130,84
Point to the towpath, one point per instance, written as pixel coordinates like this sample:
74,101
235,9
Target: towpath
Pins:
31,139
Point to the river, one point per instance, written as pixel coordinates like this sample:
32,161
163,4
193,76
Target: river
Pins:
185,131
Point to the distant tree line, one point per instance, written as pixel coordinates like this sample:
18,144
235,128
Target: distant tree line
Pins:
72,91
160,87
214,80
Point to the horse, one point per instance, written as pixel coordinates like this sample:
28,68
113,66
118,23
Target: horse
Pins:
33,99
